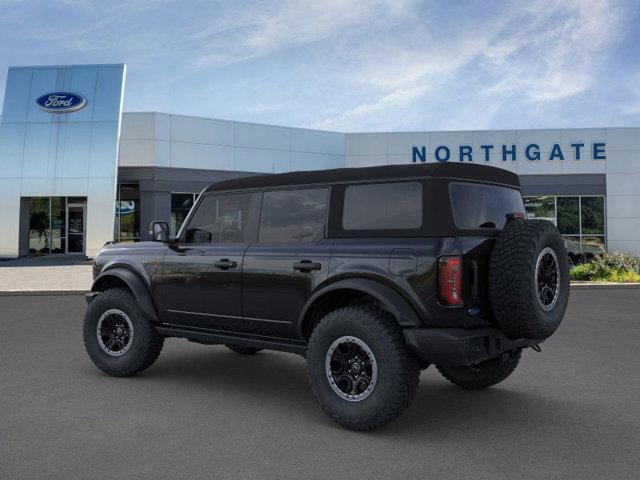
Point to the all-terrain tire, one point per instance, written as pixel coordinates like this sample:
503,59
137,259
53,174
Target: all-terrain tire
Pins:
483,375
146,343
398,369
243,350
516,297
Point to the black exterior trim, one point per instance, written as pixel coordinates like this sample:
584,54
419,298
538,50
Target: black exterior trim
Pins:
245,340
137,286
391,300
459,171
456,347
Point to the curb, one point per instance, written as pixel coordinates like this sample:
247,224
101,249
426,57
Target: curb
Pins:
602,285
22,293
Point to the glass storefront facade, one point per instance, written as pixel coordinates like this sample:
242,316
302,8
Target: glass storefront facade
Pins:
580,219
57,225
127,224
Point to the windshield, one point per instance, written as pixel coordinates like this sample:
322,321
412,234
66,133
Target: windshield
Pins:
478,206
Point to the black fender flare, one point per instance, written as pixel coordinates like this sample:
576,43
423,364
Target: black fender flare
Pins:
390,300
137,286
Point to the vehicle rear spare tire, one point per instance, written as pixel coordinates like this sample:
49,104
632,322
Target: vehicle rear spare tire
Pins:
529,279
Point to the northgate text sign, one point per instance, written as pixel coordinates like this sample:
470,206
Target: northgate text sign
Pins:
531,152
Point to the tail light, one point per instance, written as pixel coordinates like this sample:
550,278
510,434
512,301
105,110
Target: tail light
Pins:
449,280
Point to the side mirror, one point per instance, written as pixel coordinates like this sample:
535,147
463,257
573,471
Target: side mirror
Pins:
159,231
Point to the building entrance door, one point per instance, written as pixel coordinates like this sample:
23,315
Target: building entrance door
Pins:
76,229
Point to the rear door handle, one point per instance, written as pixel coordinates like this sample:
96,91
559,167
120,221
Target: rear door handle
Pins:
225,264
306,266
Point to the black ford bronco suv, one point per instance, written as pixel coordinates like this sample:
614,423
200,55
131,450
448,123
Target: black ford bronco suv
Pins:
372,274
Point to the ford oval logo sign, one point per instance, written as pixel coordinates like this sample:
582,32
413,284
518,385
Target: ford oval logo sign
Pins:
61,102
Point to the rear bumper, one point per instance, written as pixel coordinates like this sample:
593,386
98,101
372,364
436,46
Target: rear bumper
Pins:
457,346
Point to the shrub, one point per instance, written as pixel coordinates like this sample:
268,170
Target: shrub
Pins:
614,266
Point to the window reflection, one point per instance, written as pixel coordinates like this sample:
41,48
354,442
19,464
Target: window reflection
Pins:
49,226
181,203
220,219
293,215
568,215
39,225
127,225
580,219
592,215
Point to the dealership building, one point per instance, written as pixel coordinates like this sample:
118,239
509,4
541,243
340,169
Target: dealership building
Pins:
76,171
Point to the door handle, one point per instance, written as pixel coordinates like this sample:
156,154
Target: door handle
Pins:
306,266
225,264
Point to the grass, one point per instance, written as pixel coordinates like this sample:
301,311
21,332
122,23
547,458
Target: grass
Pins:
586,271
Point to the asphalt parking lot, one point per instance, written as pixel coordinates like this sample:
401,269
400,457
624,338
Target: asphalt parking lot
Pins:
572,411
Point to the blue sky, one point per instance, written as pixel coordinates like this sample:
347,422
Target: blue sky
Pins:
351,65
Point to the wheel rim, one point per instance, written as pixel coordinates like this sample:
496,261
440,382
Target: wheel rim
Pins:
351,368
547,279
115,332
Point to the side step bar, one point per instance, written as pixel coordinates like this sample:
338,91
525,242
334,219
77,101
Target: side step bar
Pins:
221,337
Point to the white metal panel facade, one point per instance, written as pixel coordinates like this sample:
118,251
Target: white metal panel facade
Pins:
177,141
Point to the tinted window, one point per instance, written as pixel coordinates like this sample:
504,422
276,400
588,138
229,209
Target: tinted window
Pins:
568,215
592,215
181,203
382,206
483,206
293,215
220,219
540,208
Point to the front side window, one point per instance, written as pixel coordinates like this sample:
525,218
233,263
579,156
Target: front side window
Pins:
383,206
477,206
220,219
293,215
181,203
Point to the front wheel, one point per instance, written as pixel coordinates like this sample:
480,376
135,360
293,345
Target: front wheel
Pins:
482,375
360,369
118,337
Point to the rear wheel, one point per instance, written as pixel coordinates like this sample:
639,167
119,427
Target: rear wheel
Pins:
482,375
243,350
360,369
118,338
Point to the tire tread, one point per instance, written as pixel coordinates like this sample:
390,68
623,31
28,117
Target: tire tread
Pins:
406,371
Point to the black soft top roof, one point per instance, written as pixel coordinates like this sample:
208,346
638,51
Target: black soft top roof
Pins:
462,171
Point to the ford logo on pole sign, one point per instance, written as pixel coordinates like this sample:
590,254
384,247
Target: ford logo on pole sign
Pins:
61,102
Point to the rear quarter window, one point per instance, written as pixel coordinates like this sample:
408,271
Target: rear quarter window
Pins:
477,206
383,206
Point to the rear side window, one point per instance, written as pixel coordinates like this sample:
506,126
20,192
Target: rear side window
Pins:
383,206
220,219
293,215
477,206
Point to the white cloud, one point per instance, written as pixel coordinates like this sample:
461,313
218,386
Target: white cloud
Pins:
286,24
543,52
349,64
